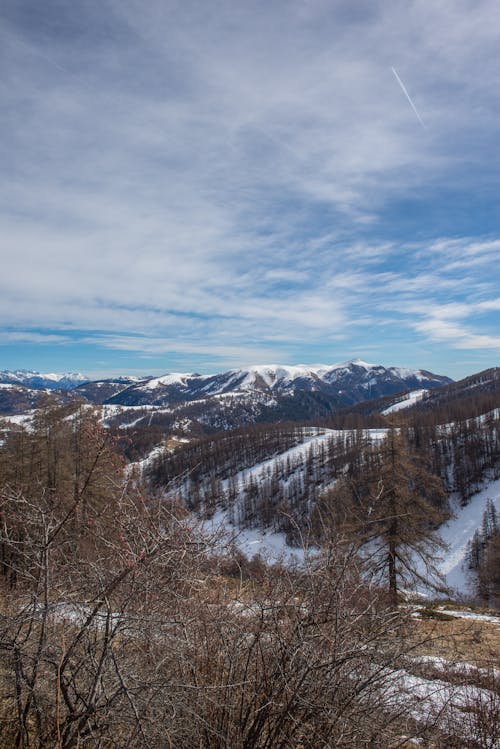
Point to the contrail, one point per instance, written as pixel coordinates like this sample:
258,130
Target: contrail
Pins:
405,92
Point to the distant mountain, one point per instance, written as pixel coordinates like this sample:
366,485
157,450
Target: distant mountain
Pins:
102,391
195,403
341,384
45,381
18,399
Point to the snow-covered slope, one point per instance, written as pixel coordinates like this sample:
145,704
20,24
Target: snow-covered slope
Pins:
408,400
297,476
456,534
459,531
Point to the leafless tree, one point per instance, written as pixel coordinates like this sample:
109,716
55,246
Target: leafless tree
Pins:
119,628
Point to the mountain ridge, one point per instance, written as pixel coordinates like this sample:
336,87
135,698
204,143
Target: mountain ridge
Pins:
348,382
256,393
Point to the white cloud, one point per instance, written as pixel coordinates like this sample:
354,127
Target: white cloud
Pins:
20,336
444,331
197,175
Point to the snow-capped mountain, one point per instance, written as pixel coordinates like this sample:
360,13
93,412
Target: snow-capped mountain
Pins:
345,383
101,391
42,381
223,400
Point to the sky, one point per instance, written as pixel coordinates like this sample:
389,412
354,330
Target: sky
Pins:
198,186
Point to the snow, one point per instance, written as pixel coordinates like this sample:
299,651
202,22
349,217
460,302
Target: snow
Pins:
446,705
137,467
459,530
409,400
19,419
469,614
173,378
21,376
234,375
272,374
359,363
456,667
315,437
259,470
455,533
270,545
112,409
404,372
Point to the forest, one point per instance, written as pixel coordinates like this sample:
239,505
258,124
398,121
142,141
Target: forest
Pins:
125,623
333,473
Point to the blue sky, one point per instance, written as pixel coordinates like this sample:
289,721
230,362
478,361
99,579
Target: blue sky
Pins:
197,186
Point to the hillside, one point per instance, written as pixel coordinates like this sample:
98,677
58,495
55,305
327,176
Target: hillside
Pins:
141,603
234,452
271,484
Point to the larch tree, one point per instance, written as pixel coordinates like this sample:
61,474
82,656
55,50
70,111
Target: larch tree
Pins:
408,507
390,507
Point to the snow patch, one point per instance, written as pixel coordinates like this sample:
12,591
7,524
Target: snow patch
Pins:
270,545
458,531
173,378
409,400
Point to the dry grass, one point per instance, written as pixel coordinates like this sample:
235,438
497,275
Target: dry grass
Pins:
472,641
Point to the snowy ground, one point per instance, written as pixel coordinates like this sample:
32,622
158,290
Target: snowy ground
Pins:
458,531
409,400
451,707
269,545
19,419
259,471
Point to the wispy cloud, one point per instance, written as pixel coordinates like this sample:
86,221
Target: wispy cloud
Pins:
444,331
184,178
21,336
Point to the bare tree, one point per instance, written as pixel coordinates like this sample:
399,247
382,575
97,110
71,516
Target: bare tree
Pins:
391,506
119,628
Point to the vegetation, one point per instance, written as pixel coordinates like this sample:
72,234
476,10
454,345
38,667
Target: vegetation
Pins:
122,624
390,505
483,556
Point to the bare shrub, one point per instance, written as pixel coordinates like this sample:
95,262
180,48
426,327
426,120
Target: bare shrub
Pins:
118,630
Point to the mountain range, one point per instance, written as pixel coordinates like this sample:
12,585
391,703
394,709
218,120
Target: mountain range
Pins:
354,380
346,383
226,399
38,381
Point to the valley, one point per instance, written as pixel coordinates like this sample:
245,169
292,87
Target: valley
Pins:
190,567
